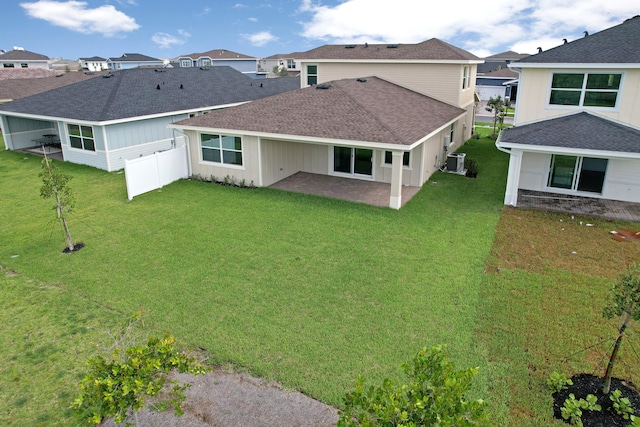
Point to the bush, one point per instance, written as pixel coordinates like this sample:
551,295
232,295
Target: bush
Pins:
434,396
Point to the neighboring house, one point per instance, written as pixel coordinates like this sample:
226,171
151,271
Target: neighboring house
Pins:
95,63
20,58
219,57
501,83
286,62
64,65
499,61
577,124
125,114
384,113
133,60
13,89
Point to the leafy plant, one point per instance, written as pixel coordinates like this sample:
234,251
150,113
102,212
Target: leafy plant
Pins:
434,396
471,166
635,421
621,405
572,409
130,374
557,382
624,301
54,184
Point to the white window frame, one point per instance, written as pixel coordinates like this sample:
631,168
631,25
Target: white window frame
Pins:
186,63
307,75
575,182
583,90
222,150
82,138
466,77
291,64
388,165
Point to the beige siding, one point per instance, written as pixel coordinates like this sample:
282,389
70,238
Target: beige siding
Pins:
440,81
281,159
534,91
534,171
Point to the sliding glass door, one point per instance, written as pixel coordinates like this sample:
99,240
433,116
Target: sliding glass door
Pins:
354,161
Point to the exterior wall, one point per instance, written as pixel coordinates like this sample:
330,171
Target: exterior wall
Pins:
129,65
28,64
622,180
439,81
281,159
96,158
95,66
486,92
19,132
534,91
130,134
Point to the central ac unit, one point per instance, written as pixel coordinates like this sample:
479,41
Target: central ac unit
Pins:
455,162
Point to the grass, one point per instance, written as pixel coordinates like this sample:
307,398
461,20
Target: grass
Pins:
304,290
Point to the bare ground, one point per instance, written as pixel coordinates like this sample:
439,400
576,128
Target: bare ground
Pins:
222,398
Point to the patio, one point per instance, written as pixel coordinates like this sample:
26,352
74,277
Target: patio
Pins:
600,208
355,190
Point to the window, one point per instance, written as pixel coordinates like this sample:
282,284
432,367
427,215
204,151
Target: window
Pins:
185,63
221,149
8,65
585,89
466,77
24,65
206,63
388,158
354,161
81,137
577,173
291,63
312,75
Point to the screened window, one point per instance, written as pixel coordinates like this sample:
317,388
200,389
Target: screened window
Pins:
312,75
577,173
388,158
81,137
223,149
587,90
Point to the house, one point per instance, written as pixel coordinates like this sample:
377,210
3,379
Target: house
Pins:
133,60
285,62
577,124
383,113
20,58
495,78
12,89
94,63
219,57
125,114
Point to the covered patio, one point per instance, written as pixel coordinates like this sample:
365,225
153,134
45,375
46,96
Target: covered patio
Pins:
355,190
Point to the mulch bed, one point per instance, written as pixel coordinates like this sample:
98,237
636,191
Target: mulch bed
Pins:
584,384
76,248
625,235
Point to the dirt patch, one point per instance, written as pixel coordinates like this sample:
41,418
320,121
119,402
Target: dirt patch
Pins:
223,398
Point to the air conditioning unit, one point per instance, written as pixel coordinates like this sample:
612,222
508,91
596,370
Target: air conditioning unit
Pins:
455,162
446,141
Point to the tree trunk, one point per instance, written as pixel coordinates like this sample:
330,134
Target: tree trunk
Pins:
606,385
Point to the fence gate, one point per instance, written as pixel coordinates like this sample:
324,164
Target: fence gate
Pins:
155,171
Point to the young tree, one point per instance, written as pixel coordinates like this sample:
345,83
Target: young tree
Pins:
496,106
54,184
624,302
434,396
132,373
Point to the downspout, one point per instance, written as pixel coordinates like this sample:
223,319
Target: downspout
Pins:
513,176
188,144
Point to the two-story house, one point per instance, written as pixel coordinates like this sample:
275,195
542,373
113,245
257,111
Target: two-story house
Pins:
220,57
94,63
577,124
279,64
383,113
494,77
133,60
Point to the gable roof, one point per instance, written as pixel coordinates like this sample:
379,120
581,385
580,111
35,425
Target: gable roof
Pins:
508,55
134,57
134,93
22,55
581,131
217,54
373,110
503,73
616,45
93,58
23,87
432,49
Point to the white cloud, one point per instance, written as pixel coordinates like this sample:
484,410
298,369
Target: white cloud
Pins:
493,26
76,16
261,38
239,6
164,40
253,19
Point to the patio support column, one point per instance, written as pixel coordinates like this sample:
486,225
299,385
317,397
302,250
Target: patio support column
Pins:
513,178
395,200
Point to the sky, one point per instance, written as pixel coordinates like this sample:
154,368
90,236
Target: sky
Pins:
72,29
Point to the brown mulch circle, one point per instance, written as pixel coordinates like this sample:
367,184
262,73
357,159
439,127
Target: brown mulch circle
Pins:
625,235
584,384
76,248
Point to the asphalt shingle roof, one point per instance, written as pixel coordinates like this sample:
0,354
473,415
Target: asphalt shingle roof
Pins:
579,131
217,53
23,87
371,111
148,91
432,49
134,57
616,45
22,55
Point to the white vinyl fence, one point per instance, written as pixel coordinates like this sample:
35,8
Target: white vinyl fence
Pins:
155,171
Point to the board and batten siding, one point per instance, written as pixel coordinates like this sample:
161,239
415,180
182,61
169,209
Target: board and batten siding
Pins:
622,179
440,81
19,132
139,132
535,86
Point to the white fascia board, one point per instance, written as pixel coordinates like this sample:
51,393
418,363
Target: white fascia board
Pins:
393,61
548,149
573,65
435,132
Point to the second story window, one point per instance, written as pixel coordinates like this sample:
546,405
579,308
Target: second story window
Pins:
585,89
312,75
185,63
291,64
466,77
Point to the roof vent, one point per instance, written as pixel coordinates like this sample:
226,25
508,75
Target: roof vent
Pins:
564,41
181,86
586,33
392,46
106,76
366,45
350,46
158,87
204,68
323,86
362,80
539,50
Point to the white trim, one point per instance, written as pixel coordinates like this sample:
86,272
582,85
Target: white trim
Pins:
396,61
565,65
569,151
583,90
106,146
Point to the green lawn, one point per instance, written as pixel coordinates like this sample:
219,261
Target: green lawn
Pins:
301,289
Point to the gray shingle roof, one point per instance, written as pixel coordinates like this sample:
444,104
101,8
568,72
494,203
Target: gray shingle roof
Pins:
134,93
617,45
578,131
217,54
432,49
134,57
23,87
22,55
371,111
